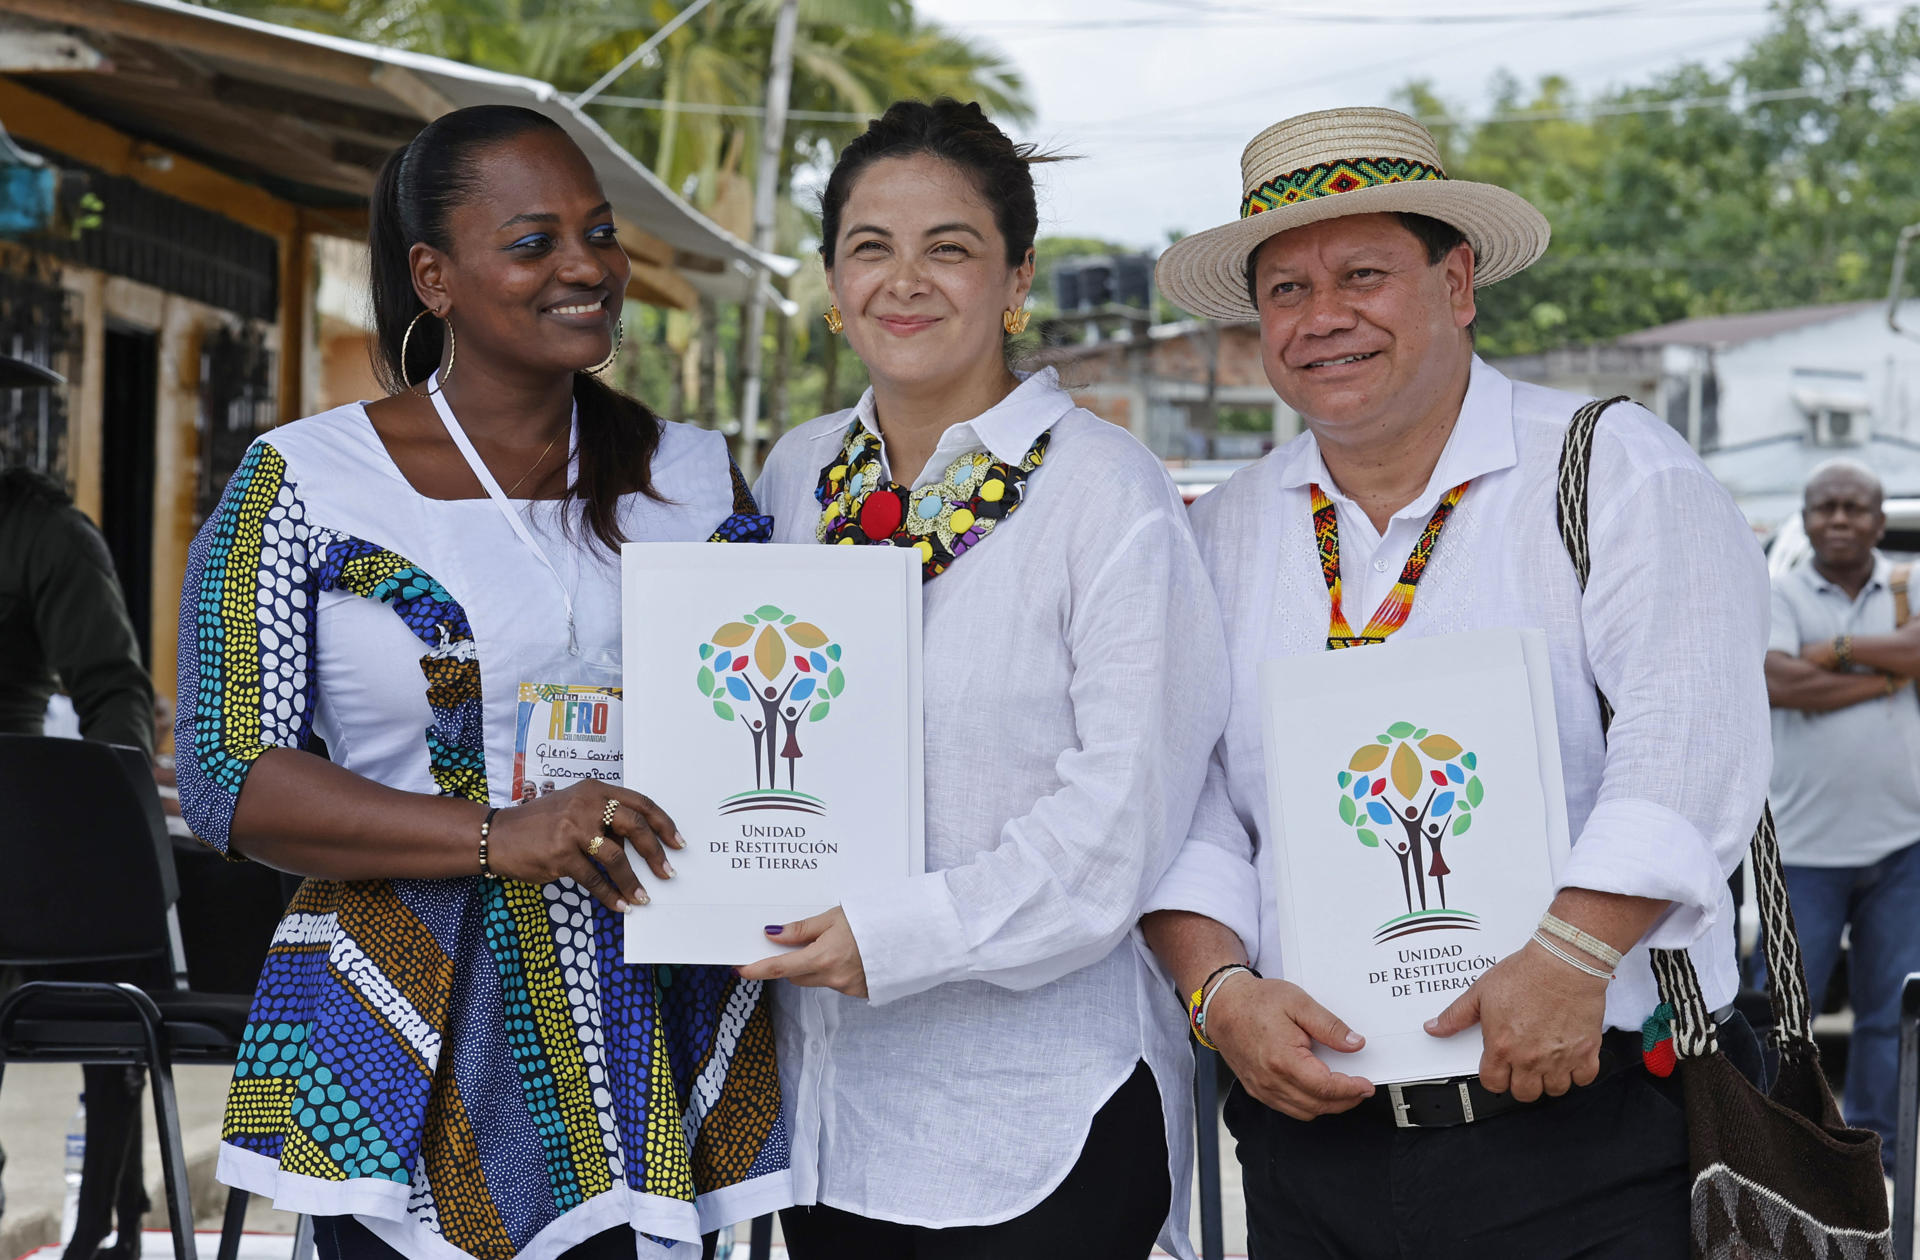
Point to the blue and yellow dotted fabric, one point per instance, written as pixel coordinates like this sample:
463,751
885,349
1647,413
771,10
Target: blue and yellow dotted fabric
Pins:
478,1045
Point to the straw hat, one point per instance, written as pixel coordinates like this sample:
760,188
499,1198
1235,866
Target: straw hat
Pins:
1338,162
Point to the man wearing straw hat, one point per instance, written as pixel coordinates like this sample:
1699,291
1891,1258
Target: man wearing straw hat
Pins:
1425,487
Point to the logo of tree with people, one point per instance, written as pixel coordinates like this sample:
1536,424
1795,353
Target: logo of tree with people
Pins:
776,676
1412,792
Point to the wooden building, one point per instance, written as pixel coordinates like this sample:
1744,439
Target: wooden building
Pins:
205,162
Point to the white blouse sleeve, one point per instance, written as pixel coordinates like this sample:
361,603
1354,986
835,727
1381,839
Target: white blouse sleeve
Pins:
1067,880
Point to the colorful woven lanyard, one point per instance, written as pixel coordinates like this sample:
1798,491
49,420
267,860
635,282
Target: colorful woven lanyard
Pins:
861,506
1393,610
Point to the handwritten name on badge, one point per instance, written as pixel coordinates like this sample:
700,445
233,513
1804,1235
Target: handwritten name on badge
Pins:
582,727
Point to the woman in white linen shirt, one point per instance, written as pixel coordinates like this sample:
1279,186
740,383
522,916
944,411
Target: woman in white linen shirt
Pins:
981,1062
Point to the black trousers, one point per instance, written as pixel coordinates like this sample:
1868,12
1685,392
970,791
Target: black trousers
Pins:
1110,1207
344,1238
1600,1174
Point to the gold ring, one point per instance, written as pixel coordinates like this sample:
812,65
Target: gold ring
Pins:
606,818
593,845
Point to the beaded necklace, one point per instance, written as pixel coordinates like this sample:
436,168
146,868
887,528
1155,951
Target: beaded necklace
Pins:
1393,610
860,505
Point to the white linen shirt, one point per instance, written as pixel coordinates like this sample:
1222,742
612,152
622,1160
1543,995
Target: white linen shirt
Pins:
1673,628
1074,679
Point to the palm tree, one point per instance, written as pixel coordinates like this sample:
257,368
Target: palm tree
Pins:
851,57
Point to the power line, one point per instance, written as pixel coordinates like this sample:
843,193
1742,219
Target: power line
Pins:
1270,17
1661,106
653,41
731,111
1345,75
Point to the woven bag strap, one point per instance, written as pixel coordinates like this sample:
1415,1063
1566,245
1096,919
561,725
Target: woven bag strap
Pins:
1673,971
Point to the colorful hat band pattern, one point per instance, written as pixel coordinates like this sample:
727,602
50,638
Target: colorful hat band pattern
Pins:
1331,178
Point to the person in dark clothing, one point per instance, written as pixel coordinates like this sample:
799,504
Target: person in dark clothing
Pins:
63,623
64,626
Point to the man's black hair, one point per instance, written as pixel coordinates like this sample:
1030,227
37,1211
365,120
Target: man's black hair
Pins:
1440,237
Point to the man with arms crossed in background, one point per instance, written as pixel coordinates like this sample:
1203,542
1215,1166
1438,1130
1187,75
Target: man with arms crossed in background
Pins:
1434,478
1846,773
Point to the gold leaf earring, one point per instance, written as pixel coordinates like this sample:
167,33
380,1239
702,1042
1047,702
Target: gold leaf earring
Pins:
834,322
1015,322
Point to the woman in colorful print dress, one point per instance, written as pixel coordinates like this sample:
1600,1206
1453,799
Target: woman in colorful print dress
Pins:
446,1053
983,1062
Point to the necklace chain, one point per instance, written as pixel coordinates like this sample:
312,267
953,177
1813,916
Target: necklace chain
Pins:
537,460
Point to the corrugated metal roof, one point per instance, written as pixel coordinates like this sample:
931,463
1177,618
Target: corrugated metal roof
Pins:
1733,330
233,68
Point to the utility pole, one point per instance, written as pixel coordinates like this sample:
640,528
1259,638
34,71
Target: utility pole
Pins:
773,135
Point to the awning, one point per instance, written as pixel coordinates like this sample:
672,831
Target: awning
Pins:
311,117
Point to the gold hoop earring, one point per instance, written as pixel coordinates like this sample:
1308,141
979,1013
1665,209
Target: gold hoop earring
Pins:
834,322
452,348
1015,322
619,336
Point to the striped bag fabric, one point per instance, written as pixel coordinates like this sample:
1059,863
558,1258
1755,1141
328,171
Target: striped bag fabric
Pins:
1777,1174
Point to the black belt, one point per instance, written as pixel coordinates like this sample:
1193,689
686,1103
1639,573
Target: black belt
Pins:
1463,1099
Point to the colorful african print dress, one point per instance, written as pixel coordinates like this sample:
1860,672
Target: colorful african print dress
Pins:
465,1065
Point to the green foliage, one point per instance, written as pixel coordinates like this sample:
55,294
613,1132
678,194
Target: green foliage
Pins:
850,57
1707,208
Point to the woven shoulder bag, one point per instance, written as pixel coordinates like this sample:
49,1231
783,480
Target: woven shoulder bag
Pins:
1777,1175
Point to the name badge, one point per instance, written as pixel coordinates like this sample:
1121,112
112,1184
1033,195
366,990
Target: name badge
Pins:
565,733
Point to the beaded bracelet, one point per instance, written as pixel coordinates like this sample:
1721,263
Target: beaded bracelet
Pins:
1580,939
1200,1023
486,825
1202,996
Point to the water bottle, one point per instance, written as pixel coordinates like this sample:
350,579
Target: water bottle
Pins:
76,1161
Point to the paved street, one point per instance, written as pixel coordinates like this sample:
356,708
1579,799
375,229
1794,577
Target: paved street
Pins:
36,1101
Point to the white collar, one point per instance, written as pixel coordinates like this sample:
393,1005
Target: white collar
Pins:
1007,430
1481,442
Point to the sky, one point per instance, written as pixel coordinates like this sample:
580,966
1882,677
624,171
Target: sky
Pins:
1158,97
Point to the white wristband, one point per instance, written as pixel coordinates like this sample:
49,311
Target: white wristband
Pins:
1201,1021
1569,959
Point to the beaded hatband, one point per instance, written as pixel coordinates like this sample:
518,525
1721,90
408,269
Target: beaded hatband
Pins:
859,505
1331,178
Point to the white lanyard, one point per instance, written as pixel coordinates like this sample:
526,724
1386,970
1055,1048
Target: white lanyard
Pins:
500,500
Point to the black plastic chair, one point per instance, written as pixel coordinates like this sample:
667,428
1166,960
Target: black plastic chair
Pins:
90,882
1906,1158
